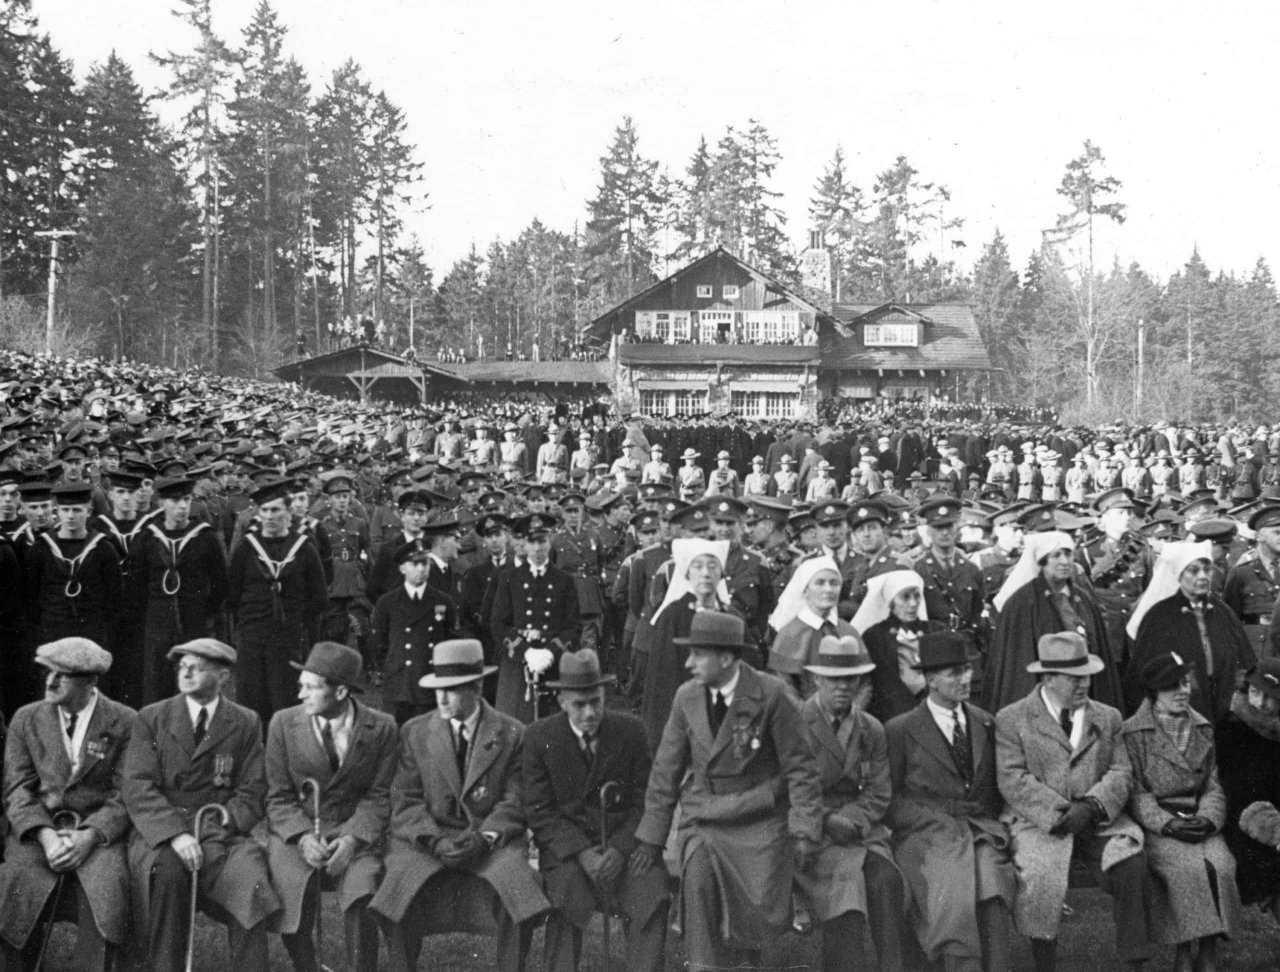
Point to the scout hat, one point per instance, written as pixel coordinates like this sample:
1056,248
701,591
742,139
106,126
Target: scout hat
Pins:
1065,653
334,662
74,656
841,657
581,670
716,631
458,661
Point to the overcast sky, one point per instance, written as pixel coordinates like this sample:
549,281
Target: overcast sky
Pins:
512,103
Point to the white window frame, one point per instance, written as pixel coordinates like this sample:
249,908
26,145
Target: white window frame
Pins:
670,325
770,325
705,291
891,335
708,324
689,401
654,402
729,291
778,405
745,403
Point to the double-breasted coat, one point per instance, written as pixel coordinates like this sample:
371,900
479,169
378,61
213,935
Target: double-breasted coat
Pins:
742,794
948,841
404,633
1167,781
430,800
1040,774
354,801
38,783
562,800
546,604
854,776
167,778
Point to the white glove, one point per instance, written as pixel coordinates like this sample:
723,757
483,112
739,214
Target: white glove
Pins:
538,660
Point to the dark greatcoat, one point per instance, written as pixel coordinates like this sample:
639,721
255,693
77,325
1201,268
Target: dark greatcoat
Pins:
548,604
354,801
37,784
889,693
404,634
1249,769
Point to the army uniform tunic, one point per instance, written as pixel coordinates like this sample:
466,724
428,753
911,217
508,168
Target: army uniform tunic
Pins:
1120,573
349,547
581,555
1252,591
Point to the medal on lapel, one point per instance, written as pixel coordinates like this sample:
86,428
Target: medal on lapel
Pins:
97,748
222,766
441,609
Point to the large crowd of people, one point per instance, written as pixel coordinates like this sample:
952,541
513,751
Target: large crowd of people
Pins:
904,673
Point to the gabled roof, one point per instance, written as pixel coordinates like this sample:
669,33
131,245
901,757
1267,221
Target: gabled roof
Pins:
353,359
600,327
951,338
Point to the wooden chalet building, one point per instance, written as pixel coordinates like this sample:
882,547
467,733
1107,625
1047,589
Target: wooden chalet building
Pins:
719,336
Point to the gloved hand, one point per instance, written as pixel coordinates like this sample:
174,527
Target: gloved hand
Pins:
804,852
467,848
644,857
539,660
841,831
1076,819
1189,830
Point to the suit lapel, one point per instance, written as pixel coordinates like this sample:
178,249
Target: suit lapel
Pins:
177,722
485,748
97,725
929,736
49,728
314,761
821,730
440,749
1090,732
745,707
357,742
978,742
575,764
1043,723
218,729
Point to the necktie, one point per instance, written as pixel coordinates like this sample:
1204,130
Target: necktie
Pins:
1064,717
330,749
589,747
960,747
202,723
460,749
717,710
836,722
72,717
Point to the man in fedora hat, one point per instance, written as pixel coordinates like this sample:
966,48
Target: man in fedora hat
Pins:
64,753
948,840
569,760
854,882
733,739
1064,772
194,749
456,858
350,751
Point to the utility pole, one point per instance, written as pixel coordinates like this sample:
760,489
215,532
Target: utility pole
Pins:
411,321
1137,390
54,236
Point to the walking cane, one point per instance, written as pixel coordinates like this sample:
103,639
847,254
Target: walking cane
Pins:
225,819
605,792
72,818
313,785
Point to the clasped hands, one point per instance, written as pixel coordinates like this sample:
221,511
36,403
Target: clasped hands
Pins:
1083,814
466,848
333,856
602,868
66,850
1189,830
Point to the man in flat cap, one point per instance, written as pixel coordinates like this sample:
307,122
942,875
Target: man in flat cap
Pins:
186,752
586,768
408,622
349,752
178,581
456,856
278,594
62,774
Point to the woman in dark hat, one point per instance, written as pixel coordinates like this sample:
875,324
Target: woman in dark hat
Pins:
1181,808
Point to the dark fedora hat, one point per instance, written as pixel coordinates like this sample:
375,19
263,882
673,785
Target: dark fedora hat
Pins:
581,670
335,662
717,631
944,649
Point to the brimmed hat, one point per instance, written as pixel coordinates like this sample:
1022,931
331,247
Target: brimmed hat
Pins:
1164,671
1065,653
944,649
841,657
717,631
581,670
690,454
456,662
335,662
1265,677
74,656
210,649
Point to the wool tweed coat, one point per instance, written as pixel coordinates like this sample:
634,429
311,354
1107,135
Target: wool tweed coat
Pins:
855,787
354,801
168,778
743,794
1039,776
430,800
38,782
948,842
1167,781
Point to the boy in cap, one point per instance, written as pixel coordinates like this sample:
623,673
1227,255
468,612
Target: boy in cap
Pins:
408,622
578,764
91,732
414,506
456,856
350,750
193,749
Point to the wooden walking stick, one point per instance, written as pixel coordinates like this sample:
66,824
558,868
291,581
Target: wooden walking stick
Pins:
225,819
605,792
313,785
71,821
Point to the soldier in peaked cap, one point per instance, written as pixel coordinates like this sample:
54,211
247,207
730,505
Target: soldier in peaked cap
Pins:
415,506
408,622
569,758
347,620
455,856
494,531
577,549
89,732
535,608
953,591
197,748
1252,587
351,750
1119,563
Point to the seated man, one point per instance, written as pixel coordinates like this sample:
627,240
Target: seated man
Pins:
952,849
63,755
186,752
734,757
854,881
1064,772
569,760
349,751
456,858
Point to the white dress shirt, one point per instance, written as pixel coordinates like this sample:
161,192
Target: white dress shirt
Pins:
947,719
1077,718
75,742
340,729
